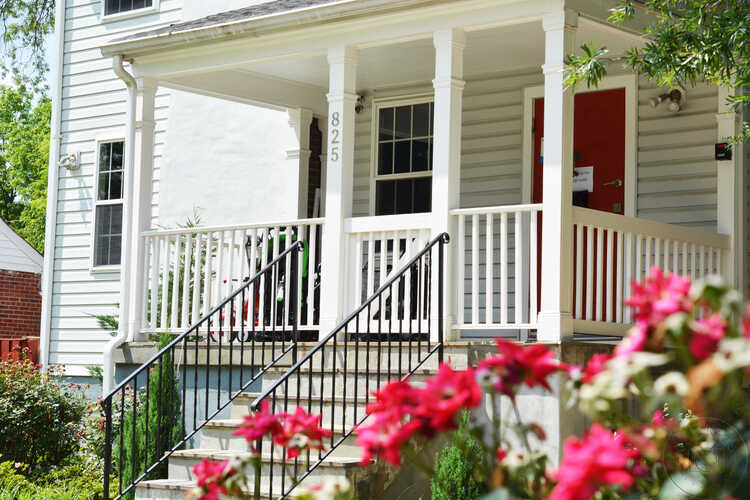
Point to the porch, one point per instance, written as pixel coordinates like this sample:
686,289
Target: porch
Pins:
514,267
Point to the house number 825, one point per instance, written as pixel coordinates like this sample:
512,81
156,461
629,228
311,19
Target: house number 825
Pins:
335,132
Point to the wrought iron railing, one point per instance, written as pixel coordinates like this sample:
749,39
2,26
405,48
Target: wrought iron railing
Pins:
337,377
158,408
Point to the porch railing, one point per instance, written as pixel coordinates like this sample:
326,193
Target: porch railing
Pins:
496,255
190,270
610,250
378,247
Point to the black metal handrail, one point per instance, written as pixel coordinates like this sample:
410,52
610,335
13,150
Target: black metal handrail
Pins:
150,424
300,388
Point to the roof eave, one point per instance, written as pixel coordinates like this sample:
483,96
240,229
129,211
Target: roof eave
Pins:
258,26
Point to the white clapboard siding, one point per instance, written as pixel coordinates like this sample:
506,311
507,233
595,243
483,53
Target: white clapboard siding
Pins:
676,167
16,254
93,107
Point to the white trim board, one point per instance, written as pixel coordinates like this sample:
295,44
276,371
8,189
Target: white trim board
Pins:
630,84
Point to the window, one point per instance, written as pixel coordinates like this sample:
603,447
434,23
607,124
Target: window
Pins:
403,178
119,6
108,209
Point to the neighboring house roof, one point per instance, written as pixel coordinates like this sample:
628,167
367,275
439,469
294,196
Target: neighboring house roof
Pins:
244,14
15,252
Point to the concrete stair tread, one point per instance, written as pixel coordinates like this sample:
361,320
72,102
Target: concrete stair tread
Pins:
252,396
182,486
233,423
212,454
394,373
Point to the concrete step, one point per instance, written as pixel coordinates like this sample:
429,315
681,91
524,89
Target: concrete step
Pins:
328,406
329,382
178,489
218,435
181,464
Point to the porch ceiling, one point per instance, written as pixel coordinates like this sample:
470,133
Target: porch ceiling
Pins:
303,81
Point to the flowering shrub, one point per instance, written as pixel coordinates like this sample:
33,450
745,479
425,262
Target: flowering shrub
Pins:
40,418
686,362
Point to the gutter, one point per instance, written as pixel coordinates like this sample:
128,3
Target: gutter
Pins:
48,264
108,370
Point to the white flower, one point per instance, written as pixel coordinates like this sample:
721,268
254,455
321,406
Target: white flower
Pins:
516,459
328,489
732,353
672,383
627,366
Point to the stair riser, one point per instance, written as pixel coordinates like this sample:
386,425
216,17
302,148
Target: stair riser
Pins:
456,357
331,384
181,468
241,407
222,439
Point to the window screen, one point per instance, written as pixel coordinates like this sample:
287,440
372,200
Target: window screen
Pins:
108,213
404,166
117,6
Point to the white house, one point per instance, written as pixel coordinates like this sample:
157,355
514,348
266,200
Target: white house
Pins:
360,127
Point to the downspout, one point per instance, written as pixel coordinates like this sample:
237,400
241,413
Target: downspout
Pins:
108,370
52,187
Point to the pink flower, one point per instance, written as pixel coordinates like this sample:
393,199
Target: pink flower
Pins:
746,321
516,364
300,431
707,332
384,437
210,477
257,425
444,395
634,342
659,296
600,459
594,367
398,397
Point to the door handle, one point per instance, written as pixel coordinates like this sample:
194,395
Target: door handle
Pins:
616,183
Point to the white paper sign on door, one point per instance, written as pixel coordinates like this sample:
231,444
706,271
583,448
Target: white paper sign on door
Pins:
583,180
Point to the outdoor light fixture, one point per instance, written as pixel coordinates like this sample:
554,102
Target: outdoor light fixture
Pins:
675,97
360,104
71,161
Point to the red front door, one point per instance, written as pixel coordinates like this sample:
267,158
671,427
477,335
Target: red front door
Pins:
599,150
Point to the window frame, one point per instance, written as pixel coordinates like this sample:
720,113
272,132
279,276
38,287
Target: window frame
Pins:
128,14
390,102
97,203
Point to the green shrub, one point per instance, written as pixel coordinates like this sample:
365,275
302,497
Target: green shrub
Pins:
455,468
78,479
164,423
40,419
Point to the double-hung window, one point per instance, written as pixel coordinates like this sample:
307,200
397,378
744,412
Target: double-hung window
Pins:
108,205
403,157
112,7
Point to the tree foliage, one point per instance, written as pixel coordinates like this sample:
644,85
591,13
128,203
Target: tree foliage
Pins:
687,41
25,25
24,156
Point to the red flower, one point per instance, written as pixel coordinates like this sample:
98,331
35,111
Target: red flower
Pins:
600,459
300,431
210,476
399,398
707,332
516,364
257,425
444,395
500,455
384,437
594,367
660,295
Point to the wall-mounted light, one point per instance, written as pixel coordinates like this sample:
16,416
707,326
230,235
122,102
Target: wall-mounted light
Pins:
360,106
676,98
71,161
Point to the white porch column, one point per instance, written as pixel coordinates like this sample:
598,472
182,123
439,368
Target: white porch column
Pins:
729,184
446,163
342,98
555,320
140,203
300,120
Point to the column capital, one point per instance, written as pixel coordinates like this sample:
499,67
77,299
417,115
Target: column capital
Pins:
454,37
147,84
562,20
444,83
346,97
342,55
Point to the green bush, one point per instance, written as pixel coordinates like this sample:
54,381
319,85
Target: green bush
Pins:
455,468
164,423
40,419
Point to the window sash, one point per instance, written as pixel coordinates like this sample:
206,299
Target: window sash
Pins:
108,210
119,6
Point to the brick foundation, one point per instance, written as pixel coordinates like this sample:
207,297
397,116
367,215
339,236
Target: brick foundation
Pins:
20,304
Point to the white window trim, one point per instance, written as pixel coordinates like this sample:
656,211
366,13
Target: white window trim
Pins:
93,268
104,18
389,102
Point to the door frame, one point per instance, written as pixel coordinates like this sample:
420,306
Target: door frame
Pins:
630,84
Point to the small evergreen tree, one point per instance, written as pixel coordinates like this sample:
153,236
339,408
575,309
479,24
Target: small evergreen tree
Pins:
161,416
455,467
